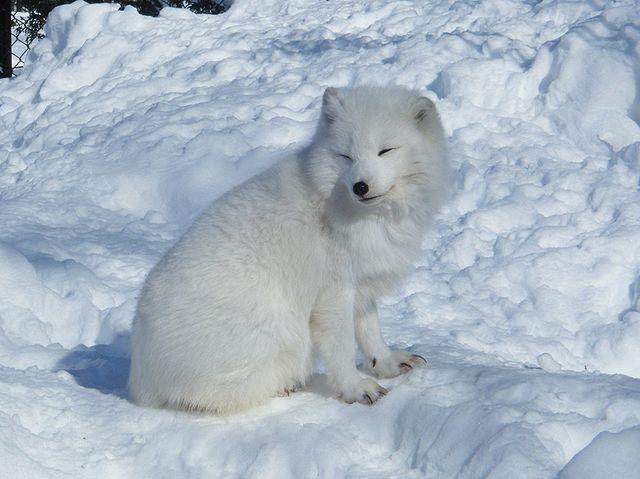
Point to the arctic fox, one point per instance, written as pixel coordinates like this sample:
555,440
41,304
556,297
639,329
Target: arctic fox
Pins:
296,257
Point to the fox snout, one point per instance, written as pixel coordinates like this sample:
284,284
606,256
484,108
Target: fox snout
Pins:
366,181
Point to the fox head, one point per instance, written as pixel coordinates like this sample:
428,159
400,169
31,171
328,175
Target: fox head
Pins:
378,148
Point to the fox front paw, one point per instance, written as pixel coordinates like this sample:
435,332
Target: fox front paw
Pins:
286,392
366,391
397,363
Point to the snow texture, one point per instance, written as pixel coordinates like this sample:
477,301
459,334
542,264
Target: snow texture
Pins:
121,128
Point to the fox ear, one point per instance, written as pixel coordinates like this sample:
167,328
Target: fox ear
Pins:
331,104
423,108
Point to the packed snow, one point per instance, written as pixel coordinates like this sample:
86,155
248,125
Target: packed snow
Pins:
121,128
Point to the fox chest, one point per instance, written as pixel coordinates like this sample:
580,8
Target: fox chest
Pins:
382,255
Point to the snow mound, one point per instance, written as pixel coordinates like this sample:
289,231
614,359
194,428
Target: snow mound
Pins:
620,451
121,128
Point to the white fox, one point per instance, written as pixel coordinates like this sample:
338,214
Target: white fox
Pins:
295,257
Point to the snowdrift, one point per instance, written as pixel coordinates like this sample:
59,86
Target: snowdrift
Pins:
121,128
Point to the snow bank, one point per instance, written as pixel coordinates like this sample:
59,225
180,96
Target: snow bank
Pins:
612,455
121,128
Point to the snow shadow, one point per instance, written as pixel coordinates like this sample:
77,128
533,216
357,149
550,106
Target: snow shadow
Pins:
297,45
104,367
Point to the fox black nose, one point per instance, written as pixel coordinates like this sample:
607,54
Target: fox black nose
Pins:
360,188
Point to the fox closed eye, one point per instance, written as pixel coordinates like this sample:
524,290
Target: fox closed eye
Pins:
346,157
385,151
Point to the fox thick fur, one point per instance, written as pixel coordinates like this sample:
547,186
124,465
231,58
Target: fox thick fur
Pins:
294,258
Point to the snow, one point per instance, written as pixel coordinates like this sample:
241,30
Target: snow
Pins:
121,128
620,451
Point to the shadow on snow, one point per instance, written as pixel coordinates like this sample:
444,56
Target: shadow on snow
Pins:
104,367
